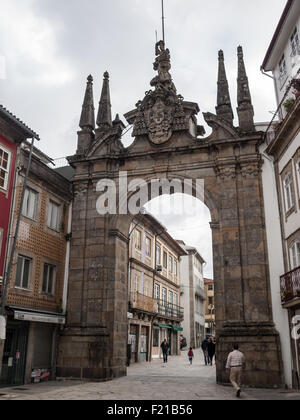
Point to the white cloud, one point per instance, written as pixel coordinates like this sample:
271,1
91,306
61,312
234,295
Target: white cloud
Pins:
29,44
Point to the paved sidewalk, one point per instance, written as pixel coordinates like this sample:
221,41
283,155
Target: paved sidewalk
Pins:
176,380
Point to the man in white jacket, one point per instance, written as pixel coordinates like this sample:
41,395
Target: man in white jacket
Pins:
235,364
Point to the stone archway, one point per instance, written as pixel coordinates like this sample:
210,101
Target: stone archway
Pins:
167,146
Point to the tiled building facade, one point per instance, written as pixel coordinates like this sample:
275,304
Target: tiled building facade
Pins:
36,291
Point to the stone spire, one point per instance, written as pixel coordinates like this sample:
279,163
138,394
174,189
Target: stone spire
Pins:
87,119
224,108
245,109
104,118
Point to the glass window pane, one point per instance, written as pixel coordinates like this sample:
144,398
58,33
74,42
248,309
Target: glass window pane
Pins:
51,279
45,278
49,214
19,272
26,271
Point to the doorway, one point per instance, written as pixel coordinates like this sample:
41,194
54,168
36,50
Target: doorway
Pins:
14,355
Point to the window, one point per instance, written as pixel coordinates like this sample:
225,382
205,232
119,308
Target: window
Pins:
298,174
148,247
155,337
164,296
210,287
135,284
165,261
156,291
175,299
170,305
288,188
295,255
295,43
158,254
282,71
4,168
170,264
30,203
53,215
175,268
23,272
138,240
49,279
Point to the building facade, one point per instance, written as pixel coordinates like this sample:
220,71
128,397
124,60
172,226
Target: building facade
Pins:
192,296
36,295
283,60
155,311
210,310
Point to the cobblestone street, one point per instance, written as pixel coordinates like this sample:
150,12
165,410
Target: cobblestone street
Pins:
156,381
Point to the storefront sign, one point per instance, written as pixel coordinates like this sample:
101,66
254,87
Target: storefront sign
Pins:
2,328
49,319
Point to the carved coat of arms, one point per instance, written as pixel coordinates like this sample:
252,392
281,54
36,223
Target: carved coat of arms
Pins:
159,120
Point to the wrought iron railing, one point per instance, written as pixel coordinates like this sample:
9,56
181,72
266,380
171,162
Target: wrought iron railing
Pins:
169,310
290,285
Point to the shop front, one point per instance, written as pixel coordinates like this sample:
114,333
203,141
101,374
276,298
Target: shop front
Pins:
30,347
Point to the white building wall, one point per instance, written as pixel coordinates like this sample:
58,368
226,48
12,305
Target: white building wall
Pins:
292,64
276,262
185,296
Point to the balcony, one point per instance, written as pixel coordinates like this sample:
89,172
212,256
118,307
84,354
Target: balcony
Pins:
200,292
143,303
290,287
170,311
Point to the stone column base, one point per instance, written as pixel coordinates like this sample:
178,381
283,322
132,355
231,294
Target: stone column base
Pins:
86,354
260,343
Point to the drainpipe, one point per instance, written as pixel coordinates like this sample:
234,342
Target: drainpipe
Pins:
67,262
14,245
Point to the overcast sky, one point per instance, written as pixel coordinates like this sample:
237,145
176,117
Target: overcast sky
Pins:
49,47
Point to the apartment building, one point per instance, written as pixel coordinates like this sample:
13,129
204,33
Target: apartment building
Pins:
283,60
210,319
37,289
192,295
154,289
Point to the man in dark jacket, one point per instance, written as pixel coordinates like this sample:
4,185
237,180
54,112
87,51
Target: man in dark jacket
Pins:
204,347
165,349
211,348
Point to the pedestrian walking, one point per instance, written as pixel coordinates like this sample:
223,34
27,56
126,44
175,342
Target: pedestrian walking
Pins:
165,350
211,348
191,355
204,347
236,362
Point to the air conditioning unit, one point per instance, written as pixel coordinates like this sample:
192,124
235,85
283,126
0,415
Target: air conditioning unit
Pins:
159,268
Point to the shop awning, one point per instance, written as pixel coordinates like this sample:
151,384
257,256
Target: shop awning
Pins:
38,316
175,328
162,326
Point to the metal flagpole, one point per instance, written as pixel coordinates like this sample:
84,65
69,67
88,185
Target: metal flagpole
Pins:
163,19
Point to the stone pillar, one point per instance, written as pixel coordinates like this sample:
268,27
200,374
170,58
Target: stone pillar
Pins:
245,281
93,344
